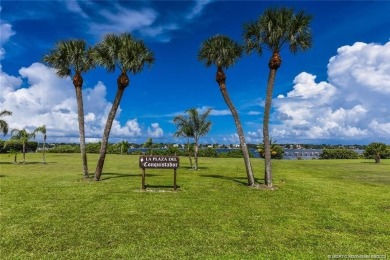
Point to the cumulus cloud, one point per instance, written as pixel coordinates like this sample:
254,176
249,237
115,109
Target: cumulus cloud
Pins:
50,100
155,130
352,105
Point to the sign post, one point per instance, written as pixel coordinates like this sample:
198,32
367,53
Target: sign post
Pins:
158,162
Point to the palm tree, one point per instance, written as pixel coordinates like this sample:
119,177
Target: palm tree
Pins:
224,52
4,124
376,151
69,57
42,129
184,129
275,29
198,124
124,145
129,55
22,136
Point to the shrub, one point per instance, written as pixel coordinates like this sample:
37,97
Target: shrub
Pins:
339,154
236,153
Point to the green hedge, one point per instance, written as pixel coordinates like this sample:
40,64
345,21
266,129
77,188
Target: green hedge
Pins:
13,145
339,154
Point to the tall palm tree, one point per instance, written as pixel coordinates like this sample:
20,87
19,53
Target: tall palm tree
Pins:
3,123
274,30
69,58
184,130
199,125
42,129
223,52
22,136
129,55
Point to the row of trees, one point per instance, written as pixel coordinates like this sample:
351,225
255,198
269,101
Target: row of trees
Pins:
20,136
274,30
74,58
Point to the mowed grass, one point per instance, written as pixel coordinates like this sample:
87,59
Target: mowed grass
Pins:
321,208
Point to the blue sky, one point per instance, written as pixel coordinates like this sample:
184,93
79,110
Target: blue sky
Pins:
337,92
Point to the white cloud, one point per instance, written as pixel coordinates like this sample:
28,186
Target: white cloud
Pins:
146,21
123,20
352,105
50,100
74,6
197,9
6,33
155,130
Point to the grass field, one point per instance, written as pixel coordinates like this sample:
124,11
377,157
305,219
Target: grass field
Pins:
321,208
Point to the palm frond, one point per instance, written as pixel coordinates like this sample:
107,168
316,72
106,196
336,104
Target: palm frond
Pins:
220,50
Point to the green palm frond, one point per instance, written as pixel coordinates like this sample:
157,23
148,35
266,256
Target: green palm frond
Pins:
220,50
123,52
3,123
68,56
22,135
277,28
192,124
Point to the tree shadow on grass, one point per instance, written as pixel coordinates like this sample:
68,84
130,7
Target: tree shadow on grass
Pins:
27,163
371,162
240,180
6,163
114,175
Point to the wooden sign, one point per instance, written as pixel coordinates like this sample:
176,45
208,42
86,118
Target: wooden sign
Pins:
158,162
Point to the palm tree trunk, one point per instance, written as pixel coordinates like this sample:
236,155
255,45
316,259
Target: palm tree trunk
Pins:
44,147
244,148
196,150
24,152
266,138
377,158
189,152
80,114
107,129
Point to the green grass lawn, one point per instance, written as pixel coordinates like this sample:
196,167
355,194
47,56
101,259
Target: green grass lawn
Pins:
321,208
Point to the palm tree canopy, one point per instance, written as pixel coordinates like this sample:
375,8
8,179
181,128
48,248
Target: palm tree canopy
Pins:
276,28
193,125
21,135
124,52
41,129
183,127
199,123
4,124
220,50
68,56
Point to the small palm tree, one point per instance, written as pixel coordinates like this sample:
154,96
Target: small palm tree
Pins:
376,151
4,124
275,29
22,136
184,130
129,55
124,145
199,125
224,52
42,129
69,57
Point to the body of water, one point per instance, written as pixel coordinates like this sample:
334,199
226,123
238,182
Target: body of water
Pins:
289,154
